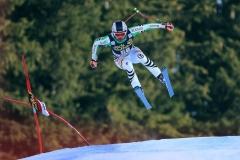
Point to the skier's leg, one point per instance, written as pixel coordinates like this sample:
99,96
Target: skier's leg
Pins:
126,64
137,56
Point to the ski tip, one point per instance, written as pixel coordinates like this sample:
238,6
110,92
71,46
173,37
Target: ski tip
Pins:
147,105
171,93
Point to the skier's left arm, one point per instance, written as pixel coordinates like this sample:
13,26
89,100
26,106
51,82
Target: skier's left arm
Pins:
150,26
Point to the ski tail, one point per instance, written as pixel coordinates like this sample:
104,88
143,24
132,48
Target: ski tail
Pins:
141,95
167,81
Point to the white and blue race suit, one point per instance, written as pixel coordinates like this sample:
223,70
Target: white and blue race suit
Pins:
125,54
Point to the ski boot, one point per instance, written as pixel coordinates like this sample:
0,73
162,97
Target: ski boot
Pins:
164,78
138,88
161,78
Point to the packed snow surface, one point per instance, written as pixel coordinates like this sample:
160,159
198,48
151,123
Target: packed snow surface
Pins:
198,148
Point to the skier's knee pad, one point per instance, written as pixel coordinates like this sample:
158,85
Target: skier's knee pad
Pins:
127,64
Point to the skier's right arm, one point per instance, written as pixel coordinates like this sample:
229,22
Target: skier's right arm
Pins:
105,41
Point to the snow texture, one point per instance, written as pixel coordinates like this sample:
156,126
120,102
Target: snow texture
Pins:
198,148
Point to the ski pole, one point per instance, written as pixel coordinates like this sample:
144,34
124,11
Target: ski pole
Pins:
136,11
143,15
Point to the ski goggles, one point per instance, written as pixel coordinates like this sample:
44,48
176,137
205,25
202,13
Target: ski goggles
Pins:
120,35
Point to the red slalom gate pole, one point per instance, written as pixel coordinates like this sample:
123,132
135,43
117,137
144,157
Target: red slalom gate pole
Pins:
38,130
28,89
51,113
16,101
63,120
35,118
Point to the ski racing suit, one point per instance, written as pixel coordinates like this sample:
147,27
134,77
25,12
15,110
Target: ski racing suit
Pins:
125,54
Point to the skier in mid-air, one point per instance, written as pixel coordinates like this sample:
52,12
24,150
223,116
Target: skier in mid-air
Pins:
125,54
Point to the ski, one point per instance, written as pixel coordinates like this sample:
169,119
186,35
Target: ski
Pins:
141,95
167,81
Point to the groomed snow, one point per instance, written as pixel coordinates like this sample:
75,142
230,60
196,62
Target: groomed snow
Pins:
200,148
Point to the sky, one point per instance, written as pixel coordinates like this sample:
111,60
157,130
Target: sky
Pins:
196,148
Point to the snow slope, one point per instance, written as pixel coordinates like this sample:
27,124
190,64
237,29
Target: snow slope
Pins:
201,148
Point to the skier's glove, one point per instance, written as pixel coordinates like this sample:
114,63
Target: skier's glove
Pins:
93,63
169,26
